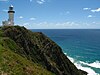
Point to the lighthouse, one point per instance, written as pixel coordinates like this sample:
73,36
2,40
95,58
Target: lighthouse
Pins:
11,15
10,21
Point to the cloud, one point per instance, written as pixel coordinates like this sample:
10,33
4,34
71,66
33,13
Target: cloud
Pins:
96,10
40,1
92,10
62,25
32,18
89,16
5,10
31,0
20,17
93,22
4,0
47,25
86,8
25,24
65,13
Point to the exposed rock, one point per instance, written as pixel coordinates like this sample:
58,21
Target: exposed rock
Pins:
38,48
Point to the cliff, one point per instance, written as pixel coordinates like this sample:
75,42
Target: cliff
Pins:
29,53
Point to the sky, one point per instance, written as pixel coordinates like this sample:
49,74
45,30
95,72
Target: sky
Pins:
53,14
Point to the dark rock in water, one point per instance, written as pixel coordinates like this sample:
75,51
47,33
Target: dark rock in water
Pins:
38,48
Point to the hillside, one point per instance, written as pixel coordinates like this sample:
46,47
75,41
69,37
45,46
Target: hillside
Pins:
23,52
12,63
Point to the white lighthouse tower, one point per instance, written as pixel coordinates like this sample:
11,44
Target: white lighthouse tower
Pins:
10,21
11,15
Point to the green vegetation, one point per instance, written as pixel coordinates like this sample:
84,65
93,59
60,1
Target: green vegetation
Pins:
12,63
23,52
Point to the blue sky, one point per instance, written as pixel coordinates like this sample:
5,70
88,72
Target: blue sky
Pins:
54,14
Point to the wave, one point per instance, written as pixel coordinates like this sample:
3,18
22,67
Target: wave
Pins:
95,64
88,69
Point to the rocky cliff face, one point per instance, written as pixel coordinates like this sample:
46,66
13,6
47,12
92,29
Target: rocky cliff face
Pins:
38,48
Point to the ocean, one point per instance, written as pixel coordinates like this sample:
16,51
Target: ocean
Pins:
82,46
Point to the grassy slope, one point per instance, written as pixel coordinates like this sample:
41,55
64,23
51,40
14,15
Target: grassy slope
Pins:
20,44
13,64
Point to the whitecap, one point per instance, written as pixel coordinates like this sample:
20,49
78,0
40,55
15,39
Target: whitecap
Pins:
65,53
95,64
87,69
78,64
71,59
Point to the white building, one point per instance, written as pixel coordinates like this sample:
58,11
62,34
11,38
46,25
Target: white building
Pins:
10,21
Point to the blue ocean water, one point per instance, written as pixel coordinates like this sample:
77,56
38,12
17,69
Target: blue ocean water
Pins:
82,46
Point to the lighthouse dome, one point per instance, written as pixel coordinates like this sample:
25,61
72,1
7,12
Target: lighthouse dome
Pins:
11,5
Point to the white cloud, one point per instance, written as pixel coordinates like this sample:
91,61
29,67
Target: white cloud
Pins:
93,22
25,24
89,16
65,13
86,8
68,12
47,25
40,1
20,17
4,0
4,10
96,10
63,25
32,18
31,0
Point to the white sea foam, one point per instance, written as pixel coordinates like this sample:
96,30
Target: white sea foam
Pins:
94,64
65,53
71,59
89,70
